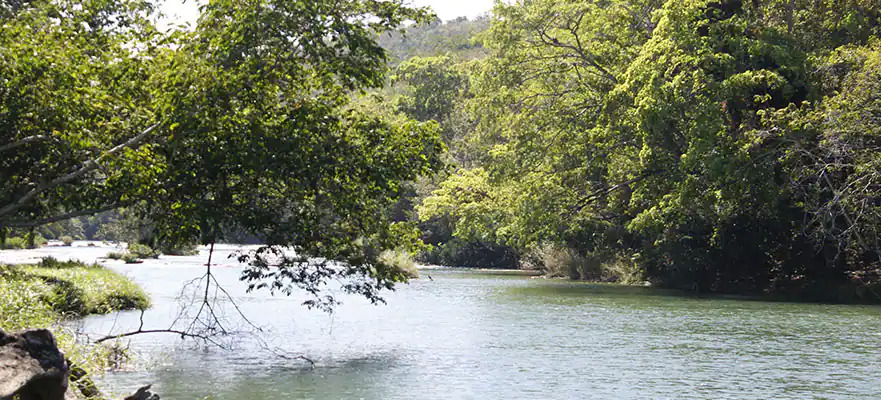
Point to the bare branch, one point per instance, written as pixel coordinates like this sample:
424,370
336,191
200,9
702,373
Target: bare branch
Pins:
148,331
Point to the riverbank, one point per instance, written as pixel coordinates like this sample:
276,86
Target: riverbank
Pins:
45,294
842,293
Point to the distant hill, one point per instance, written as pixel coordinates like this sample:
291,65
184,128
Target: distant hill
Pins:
458,37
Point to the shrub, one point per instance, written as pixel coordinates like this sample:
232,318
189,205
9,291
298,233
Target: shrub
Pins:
115,255
625,270
400,260
15,243
142,251
67,240
53,263
564,262
130,258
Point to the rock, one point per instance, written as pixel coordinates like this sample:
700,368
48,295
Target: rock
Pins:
31,367
143,394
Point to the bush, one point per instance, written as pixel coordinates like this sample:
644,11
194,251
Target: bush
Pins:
67,240
142,251
130,258
400,260
563,262
115,255
624,270
15,243
53,263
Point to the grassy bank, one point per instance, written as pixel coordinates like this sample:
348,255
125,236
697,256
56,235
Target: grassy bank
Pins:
42,295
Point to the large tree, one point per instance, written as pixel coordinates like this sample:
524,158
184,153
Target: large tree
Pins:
718,145
72,105
242,125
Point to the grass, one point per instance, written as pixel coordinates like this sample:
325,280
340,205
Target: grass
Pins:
39,296
33,296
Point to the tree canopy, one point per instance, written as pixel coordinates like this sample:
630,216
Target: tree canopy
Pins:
726,146
244,124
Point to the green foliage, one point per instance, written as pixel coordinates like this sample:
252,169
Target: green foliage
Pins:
16,243
186,249
402,261
72,89
725,146
67,288
130,258
459,36
40,296
21,306
66,240
243,126
142,251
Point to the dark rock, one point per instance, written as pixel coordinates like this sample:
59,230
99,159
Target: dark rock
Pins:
143,394
31,367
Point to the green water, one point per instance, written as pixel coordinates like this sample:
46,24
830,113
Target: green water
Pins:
466,335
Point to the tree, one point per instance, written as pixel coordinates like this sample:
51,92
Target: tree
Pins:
243,126
72,108
694,138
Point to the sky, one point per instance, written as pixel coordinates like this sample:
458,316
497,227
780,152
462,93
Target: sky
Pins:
180,11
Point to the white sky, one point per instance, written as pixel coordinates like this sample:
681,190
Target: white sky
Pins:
182,11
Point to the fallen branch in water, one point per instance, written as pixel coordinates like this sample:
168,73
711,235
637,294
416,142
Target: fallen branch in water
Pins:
141,331
206,324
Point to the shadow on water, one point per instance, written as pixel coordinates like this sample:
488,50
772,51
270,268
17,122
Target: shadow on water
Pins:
556,288
359,377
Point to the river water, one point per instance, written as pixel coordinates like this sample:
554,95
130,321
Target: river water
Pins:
478,335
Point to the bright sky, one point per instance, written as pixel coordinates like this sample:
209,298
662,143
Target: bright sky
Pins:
182,11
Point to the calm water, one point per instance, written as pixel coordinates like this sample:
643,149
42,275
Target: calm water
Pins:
468,335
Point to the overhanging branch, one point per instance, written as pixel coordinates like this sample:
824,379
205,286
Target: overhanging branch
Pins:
86,168
601,193
22,142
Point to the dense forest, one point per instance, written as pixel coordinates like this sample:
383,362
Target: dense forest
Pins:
717,146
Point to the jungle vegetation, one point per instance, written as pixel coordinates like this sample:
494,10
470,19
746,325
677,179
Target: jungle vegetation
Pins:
719,146
727,146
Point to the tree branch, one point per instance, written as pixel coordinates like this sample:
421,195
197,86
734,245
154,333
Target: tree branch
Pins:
590,198
147,331
22,142
87,167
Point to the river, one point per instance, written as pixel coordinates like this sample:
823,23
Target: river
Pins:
480,335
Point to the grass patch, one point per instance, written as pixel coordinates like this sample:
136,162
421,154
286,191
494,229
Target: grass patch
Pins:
30,295
39,296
